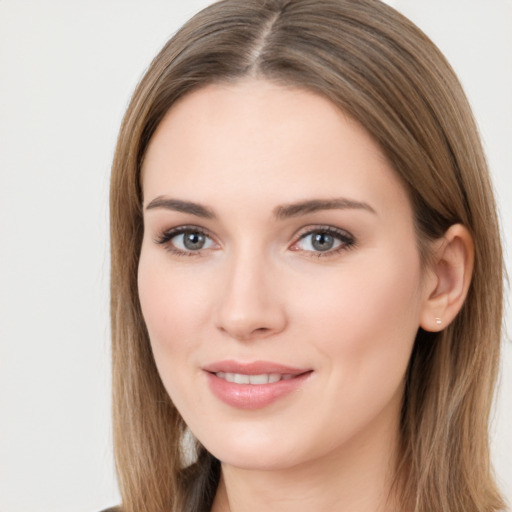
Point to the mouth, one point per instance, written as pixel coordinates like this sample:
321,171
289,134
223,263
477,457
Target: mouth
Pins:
256,380
253,385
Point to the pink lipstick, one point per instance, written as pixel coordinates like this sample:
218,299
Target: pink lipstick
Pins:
253,385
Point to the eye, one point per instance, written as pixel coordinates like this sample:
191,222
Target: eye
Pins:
326,240
186,240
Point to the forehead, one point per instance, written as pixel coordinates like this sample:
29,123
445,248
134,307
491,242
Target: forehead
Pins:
255,138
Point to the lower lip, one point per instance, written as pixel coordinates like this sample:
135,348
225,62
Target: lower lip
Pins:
253,396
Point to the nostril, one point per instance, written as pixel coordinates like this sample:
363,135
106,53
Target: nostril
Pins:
245,333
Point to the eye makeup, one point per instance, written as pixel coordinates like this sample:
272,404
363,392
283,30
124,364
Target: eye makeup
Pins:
317,241
186,241
323,241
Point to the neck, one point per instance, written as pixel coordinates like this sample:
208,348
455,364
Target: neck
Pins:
353,478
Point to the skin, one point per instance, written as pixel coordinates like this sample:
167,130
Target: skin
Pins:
259,290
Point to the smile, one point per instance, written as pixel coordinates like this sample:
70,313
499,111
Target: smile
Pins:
253,385
263,378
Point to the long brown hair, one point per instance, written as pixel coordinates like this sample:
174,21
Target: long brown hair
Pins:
379,68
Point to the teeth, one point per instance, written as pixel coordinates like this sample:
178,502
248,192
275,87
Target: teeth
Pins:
238,378
258,379
264,378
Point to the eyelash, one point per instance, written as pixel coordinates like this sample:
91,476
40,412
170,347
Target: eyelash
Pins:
347,241
166,237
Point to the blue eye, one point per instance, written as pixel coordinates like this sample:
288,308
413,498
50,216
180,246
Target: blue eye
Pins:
324,240
185,240
191,241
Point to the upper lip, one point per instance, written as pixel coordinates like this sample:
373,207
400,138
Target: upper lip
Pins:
253,368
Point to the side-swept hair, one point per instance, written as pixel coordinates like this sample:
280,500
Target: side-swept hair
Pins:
380,69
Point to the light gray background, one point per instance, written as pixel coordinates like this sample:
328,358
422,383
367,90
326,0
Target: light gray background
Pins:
67,69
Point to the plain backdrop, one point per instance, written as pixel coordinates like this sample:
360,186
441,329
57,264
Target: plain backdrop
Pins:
67,70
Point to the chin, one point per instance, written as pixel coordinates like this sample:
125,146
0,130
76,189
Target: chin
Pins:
253,452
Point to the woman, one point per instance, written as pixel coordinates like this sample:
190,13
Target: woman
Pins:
306,269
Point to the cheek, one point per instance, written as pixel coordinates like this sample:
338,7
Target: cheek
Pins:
174,308
363,323
365,318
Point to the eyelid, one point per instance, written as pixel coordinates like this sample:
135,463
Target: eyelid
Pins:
167,234
165,237
348,241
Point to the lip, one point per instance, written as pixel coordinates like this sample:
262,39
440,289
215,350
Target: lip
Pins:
253,368
251,396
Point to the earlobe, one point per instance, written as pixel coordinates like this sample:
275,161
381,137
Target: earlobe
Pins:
449,278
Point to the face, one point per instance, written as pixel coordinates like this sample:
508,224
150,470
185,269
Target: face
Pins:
279,275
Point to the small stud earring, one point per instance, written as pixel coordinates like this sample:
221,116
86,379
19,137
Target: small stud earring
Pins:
438,321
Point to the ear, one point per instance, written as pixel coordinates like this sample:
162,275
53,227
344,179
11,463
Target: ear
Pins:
448,278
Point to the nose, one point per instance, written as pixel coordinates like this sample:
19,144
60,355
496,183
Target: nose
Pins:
250,305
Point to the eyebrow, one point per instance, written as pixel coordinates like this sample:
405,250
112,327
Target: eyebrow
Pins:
280,212
178,205
315,205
